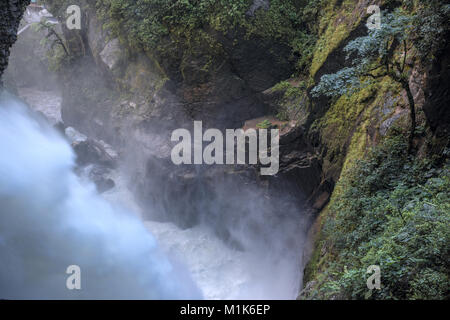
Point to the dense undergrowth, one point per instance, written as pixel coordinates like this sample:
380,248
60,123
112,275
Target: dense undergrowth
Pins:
189,25
391,210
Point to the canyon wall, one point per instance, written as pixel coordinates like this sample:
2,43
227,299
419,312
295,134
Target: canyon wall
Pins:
11,12
133,98
227,76
234,74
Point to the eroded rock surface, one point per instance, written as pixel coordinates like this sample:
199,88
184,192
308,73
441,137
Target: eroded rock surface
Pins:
11,13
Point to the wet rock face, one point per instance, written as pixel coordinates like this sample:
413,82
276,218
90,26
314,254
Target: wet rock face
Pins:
95,159
110,55
223,95
437,94
91,151
11,12
228,93
221,89
29,63
99,175
217,196
188,194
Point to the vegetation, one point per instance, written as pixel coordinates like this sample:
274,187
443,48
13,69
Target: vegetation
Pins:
265,124
374,57
430,28
333,26
57,52
384,52
190,24
389,207
390,210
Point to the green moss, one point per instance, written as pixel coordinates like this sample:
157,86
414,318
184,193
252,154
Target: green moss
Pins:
326,44
390,210
293,104
335,27
169,28
343,130
290,89
313,267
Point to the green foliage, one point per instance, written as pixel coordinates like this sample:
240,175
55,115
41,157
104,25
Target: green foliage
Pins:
290,91
146,22
303,45
282,116
393,211
369,55
57,53
187,24
264,124
291,100
431,27
373,55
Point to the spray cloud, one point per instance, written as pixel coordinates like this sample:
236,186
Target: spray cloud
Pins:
49,220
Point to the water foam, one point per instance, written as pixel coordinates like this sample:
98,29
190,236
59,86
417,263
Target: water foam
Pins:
50,220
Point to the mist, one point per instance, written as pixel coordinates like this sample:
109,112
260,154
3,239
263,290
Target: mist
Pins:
49,220
163,232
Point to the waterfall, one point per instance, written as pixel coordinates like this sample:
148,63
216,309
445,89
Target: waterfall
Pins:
50,220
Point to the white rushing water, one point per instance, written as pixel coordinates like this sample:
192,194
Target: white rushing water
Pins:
50,219
220,271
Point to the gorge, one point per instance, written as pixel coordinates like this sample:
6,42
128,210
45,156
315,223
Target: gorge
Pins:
106,98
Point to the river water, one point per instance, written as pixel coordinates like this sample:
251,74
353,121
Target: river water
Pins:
51,218
219,271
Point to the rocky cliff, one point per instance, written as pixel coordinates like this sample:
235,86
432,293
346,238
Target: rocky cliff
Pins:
11,12
354,136
131,96
133,73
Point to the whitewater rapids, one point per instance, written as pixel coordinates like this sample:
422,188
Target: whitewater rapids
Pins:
218,270
50,218
49,221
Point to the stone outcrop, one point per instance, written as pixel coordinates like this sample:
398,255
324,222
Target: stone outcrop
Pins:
94,158
437,94
134,99
11,13
30,62
342,130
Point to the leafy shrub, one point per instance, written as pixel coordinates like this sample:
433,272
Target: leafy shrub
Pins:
393,211
146,23
431,27
264,124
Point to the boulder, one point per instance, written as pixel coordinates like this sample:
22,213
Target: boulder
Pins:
90,151
99,176
110,54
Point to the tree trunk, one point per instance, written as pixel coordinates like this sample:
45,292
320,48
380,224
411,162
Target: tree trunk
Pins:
412,113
